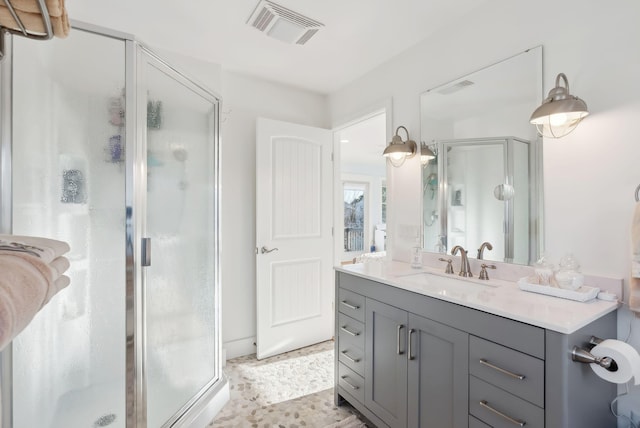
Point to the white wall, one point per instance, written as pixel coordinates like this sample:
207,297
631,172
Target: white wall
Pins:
245,99
590,175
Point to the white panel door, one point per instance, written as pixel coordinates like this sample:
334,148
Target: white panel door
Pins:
294,174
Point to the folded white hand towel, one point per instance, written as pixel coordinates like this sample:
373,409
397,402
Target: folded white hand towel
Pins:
60,264
23,291
58,285
44,249
634,279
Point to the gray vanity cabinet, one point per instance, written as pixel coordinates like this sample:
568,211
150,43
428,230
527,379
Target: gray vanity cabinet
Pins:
408,360
438,378
386,365
416,373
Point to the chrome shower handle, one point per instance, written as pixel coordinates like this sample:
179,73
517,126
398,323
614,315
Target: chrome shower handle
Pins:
146,252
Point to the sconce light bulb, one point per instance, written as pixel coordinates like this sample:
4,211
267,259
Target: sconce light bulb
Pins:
397,157
558,119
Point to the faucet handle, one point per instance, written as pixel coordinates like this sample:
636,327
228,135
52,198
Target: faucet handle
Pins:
449,268
483,273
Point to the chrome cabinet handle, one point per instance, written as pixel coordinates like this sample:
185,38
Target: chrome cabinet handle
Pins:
409,352
350,358
501,370
344,378
265,250
346,330
514,421
398,351
350,306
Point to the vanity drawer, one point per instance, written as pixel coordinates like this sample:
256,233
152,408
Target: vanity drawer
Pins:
351,356
513,371
350,331
352,382
500,409
350,303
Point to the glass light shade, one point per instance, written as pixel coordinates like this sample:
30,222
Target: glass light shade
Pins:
396,159
426,154
560,112
397,151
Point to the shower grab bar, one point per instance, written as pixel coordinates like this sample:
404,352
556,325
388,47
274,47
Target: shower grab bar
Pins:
46,20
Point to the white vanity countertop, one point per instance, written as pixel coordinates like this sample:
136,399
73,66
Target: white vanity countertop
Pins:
497,297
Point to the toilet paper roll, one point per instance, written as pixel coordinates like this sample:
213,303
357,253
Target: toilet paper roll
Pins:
626,358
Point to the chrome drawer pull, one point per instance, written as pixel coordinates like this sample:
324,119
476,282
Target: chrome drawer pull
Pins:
410,352
518,422
350,306
501,370
348,357
398,351
344,378
352,333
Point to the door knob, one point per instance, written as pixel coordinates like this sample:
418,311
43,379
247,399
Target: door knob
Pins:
265,250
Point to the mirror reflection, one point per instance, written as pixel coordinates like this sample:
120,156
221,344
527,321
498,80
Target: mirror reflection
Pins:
484,186
363,182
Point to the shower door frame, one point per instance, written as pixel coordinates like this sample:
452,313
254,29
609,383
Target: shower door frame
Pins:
444,196
6,208
201,405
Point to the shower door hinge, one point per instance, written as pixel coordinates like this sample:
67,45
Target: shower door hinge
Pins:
146,252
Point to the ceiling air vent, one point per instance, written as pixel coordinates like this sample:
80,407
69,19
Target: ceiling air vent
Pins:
455,87
282,23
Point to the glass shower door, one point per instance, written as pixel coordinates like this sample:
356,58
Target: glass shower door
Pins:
180,298
69,184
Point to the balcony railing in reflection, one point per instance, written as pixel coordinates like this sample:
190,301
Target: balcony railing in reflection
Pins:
353,239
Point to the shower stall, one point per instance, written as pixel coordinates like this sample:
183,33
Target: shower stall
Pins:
109,148
481,189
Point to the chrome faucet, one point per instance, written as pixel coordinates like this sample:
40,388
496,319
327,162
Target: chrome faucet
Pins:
482,247
465,269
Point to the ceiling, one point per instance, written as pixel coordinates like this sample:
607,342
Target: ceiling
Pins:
358,35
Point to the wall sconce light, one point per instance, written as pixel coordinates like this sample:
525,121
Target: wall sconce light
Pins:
426,154
397,150
560,112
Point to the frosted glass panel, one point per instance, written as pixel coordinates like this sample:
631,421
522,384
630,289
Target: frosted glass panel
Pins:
180,294
69,184
473,171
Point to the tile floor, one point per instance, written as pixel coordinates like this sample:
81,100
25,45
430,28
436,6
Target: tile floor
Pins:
287,391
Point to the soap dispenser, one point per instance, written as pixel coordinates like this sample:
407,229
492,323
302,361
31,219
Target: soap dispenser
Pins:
416,255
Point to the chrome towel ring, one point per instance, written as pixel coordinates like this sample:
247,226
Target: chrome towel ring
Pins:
638,193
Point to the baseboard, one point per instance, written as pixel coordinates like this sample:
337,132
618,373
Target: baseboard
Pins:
239,348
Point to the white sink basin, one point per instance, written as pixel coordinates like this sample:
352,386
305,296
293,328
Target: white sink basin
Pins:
446,279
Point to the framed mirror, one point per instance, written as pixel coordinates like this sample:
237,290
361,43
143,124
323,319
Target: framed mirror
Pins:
485,184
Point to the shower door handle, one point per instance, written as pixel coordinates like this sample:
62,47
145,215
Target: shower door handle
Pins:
146,251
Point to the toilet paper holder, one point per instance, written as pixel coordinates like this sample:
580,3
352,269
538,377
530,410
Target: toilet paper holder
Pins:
582,355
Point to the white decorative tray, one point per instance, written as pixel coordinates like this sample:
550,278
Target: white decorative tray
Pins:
582,294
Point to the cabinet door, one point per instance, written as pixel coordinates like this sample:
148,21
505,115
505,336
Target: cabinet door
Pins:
438,374
386,365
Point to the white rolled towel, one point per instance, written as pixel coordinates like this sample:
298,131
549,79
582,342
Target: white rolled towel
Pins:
634,279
